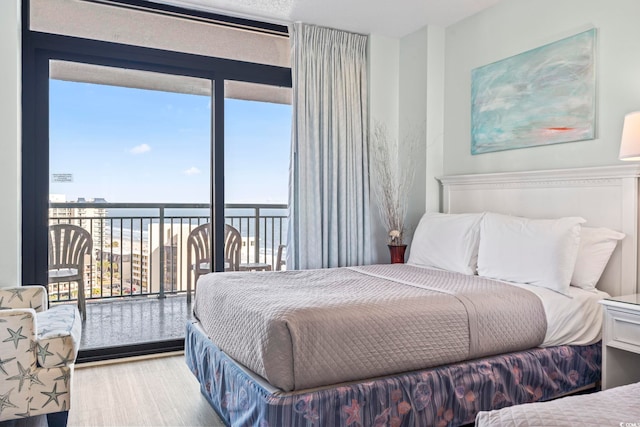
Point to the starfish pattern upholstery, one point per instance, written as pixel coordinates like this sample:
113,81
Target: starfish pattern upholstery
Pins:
38,348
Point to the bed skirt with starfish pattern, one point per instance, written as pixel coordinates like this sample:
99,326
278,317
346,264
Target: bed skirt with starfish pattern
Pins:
449,395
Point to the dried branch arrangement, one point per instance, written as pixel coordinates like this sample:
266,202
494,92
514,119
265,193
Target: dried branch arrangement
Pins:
393,180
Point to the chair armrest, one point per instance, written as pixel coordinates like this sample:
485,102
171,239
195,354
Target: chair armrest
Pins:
17,338
34,297
58,336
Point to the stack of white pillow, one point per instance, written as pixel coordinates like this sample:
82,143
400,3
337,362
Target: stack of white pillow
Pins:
551,253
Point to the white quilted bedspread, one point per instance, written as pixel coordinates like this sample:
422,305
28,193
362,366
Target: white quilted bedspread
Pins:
618,406
303,329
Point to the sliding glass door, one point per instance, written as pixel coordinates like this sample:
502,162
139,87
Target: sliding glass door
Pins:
128,143
129,162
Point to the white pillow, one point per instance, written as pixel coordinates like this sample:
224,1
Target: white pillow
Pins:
540,252
447,241
596,247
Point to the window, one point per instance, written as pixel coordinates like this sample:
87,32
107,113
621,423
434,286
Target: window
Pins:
47,52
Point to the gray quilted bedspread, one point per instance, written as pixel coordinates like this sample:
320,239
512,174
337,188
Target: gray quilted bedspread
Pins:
618,406
304,329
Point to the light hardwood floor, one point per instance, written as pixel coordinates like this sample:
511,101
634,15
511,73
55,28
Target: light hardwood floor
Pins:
152,392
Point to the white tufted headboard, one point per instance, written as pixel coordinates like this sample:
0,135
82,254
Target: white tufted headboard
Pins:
604,196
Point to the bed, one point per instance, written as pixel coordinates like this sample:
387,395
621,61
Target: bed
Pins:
399,371
615,407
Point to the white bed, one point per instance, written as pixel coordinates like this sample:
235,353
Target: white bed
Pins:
605,197
618,406
313,328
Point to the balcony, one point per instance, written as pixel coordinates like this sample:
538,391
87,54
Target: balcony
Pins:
136,274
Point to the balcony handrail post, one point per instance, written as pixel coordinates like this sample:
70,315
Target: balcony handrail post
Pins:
101,231
161,253
256,242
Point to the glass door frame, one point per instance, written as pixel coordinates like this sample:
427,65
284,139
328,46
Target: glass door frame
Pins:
38,49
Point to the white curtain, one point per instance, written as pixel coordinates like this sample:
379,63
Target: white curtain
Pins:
329,177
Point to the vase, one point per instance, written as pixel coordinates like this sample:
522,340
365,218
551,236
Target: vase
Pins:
397,253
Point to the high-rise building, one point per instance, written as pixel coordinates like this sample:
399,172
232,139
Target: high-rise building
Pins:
139,269
174,248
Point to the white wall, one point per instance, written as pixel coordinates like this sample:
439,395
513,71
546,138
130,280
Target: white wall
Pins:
412,121
406,93
384,75
435,117
10,248
384,81
515,26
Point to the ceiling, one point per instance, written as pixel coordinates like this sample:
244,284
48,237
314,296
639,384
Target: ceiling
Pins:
391,18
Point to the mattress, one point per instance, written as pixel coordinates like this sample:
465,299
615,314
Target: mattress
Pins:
618,406
304,329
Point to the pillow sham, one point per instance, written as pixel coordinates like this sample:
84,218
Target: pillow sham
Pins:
539,252
447,241
595,250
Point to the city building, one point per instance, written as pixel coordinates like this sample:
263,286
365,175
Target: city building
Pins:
91,218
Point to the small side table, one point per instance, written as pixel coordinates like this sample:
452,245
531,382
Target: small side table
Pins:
255,266
621,341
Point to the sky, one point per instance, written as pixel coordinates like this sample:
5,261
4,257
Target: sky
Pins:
142,146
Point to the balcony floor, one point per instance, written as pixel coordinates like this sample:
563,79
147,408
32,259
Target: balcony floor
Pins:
135,320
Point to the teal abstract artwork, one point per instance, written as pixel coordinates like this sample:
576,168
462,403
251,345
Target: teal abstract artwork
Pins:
539,97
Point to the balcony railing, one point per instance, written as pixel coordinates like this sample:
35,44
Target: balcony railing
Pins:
140,249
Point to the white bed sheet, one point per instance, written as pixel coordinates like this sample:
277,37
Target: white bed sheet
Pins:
575,319
572,319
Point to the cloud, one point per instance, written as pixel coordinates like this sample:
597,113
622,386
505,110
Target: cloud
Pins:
192,171
139,149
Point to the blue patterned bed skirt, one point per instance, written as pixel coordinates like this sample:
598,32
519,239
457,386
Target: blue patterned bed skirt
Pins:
449,395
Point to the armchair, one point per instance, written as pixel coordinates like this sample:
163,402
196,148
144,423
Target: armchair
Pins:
38,347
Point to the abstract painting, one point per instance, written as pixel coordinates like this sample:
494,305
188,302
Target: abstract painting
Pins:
539,97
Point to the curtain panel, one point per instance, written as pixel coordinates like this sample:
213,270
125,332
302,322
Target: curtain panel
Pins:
329,174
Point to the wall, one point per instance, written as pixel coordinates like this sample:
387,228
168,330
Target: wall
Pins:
435,117
412,122
10,248
406,93
384,80
515,26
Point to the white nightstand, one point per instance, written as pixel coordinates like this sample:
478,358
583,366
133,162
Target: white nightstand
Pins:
621,341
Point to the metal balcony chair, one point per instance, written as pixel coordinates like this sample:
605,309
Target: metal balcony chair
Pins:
68,246
199,253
